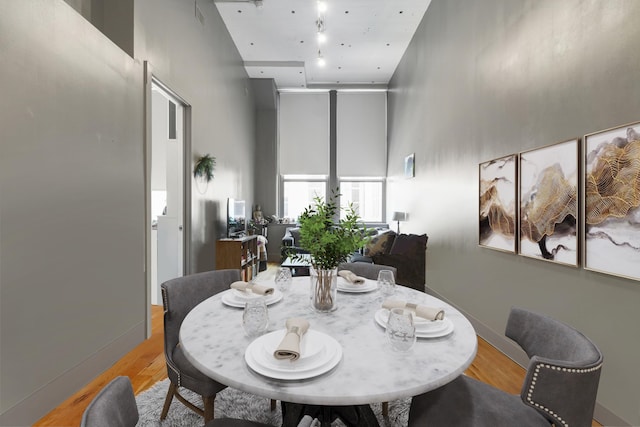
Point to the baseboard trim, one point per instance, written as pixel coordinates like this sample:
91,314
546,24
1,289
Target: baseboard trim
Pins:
51,395
601,414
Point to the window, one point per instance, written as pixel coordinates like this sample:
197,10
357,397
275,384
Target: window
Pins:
299,192
366,197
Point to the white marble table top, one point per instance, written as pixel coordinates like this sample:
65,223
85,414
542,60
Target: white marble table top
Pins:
213,340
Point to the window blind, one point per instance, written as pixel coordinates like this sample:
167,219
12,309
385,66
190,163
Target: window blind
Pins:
304,133
361,134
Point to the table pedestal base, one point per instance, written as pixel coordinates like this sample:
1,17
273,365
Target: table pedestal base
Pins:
351,416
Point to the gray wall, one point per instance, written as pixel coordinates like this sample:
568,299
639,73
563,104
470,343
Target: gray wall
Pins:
72,284
72,288
488,78
202,65
113,17
266,172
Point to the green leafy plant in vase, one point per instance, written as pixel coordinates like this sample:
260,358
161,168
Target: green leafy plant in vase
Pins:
329,243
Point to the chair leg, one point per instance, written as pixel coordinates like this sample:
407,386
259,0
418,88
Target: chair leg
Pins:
208,408
167,401
385,409
273,405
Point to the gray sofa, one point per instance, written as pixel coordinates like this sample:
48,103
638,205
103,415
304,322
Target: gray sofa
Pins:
405,252
291,238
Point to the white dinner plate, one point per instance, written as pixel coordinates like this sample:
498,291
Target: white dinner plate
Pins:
367,286
315,351
230,298
255,354
444,328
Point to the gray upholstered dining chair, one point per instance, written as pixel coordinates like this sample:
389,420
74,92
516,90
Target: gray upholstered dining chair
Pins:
560,386
179,297
113,406
365,269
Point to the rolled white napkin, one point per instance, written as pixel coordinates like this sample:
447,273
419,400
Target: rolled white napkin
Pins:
429,313
289,347
351,277
252,287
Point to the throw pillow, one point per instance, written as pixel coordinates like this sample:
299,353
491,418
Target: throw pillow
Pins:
380,244
295,233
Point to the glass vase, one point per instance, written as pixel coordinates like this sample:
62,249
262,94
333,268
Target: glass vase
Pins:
324,289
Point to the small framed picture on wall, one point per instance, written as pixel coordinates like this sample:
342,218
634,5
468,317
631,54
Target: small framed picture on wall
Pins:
410,166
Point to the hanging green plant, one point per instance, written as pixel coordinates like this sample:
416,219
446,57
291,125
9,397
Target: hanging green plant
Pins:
204,167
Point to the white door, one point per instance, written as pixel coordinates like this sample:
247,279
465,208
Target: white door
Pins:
167,189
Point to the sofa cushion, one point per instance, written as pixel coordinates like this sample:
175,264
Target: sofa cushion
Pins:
380,244
410,245
407,255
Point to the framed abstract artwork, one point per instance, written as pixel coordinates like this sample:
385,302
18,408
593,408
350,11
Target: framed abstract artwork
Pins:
410,166
612,199
549,203
497,196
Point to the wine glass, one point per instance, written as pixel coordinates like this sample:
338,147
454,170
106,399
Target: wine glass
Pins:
386,282
401,331
255,318
283,278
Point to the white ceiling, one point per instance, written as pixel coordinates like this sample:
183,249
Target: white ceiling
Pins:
365,39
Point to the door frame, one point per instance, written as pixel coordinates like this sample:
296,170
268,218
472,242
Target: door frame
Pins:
151,79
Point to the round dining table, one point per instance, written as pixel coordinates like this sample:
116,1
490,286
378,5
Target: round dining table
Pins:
214,341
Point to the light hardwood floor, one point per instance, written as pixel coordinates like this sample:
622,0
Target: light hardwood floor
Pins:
145,366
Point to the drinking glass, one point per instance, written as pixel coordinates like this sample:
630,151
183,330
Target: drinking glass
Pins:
386,282
401,332
255,318
283,278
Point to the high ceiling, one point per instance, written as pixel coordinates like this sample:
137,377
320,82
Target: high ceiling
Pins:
365,39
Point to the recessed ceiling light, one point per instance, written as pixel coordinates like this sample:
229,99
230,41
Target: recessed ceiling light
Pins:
293,11
301,41
388,44
321,62
251,43
239,11
401,11
346,11
322,6
322,37
378,68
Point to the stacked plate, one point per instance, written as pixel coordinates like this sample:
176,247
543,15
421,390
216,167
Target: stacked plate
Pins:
424,328
236,298
346,286
319,353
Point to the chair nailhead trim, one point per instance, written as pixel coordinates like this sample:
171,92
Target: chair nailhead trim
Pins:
165,300
555,368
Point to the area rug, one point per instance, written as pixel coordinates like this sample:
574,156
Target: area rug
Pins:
237,404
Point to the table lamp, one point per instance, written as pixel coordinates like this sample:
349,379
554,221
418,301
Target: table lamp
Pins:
399,216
